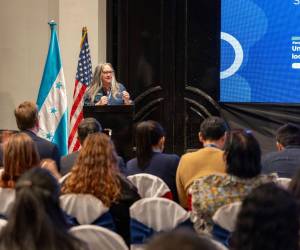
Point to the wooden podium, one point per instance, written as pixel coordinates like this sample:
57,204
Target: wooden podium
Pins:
118,118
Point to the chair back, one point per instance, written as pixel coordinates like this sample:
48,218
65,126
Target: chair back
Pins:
226,215
152,215
3,223
87,209
7,198
63,178
98,237
149,185
283,182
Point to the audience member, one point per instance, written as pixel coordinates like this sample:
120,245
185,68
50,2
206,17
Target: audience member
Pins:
20,154
104,89
150,141
86,126
285,162
180,239
27,121
243,167
205,161
36,220
95,172
268,220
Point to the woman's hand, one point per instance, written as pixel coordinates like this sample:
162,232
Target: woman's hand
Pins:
103,101
126,97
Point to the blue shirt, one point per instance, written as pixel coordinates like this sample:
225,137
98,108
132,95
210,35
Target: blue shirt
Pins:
117,100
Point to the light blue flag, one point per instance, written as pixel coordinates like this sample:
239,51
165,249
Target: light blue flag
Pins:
52,98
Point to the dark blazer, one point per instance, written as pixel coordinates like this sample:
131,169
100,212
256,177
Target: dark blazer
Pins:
120,209
67,162
45,148
161,165
285,163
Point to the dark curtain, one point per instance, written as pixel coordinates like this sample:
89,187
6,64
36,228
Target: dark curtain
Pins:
262,119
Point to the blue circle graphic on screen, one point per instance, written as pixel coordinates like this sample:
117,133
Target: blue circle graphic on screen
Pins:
269,35
227,59
238,55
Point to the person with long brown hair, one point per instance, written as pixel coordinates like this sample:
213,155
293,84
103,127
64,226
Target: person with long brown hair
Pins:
20,154
95,172
105,89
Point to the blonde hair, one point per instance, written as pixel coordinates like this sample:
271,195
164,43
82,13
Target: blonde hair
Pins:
97,84
95,170
20,154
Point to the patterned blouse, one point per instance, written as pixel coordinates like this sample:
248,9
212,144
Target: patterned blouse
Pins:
213,191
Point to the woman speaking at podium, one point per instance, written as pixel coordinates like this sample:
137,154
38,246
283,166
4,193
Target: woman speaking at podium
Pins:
104,89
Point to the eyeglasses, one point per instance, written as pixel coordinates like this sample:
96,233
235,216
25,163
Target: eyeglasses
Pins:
107,72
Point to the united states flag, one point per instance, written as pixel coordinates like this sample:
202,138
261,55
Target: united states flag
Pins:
83,79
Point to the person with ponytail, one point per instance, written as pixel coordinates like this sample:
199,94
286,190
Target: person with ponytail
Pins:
36,220
150,159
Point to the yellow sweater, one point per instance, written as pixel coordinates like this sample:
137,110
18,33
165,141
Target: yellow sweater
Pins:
193,165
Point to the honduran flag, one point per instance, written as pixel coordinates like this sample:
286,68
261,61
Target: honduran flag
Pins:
52,98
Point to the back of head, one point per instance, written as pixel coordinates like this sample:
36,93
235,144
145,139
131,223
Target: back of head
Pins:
20,154
268,220
88,126
96,83
95,170
26,115
148,134
288,134
36,220
213,128
242,154
180,239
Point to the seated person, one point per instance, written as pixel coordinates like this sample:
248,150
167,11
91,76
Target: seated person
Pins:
20,154
95,172
268,220
27,119
150,140
104,89
242,156
86,126
36,220
206,160
181,239
284,162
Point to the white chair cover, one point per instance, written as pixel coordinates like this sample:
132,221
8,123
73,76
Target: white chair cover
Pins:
7,198
226,215
149,185
158,213
2,224
63,178
85,208
99,238
283,182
